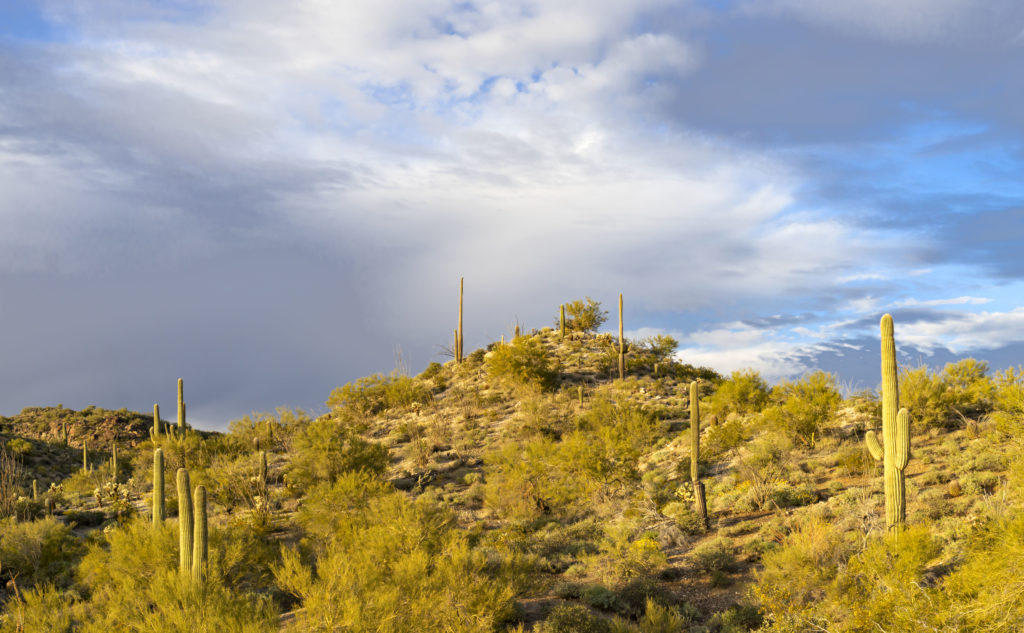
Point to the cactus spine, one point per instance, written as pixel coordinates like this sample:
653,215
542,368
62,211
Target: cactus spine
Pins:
458,333
562,320
199,549
154,433
158,487
699,499
622,344
185,524
895,453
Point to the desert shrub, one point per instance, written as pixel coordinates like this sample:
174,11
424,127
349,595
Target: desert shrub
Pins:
583,315
573,618
800,409
38,552
390,563
522,363
972,390
763,465
528,480
431,371
19,446
721,440
42,609
626,553
360,400
684,516
609,441
1009,404
855,460
274,431
131,581
327,447
743,393
929,401
717,555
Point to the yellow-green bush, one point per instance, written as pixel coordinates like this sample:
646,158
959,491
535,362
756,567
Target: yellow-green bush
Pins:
382,562
522,363
326,448
743,393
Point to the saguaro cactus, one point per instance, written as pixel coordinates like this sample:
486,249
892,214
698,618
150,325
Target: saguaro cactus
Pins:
35,491
181,405
699,500
113,462
154,433
458,333
185,524
85,455
622,344
199,549
895,453
263,471
561,320
158,487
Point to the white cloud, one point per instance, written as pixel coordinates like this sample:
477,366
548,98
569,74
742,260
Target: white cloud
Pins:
965,332
943,302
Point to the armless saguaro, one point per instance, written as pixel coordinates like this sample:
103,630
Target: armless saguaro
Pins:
622,344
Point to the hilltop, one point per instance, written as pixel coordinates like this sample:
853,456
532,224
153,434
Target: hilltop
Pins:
528,487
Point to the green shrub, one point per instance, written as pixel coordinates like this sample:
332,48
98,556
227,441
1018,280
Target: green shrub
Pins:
38,552
583,315
19,446
573,618
42,609
381,561
326,448
743,393
924,394
523,362
803,407
716,555
360,400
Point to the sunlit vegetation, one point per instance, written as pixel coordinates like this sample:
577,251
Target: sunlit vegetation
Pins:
524,488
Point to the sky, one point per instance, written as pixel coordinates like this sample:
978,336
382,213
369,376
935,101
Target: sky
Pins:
272,199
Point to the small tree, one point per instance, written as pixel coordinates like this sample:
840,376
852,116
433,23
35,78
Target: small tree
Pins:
583,315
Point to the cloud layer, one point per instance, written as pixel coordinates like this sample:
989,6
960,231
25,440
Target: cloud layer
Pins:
268,198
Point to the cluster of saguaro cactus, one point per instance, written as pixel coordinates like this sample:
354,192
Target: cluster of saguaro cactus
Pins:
158,487
699,499
894,451
622,344
192,528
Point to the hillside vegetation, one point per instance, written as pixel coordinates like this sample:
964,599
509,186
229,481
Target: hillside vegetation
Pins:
525,486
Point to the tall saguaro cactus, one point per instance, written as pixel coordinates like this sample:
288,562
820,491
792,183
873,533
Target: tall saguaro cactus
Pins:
185,524
181,406
894,451
113,462
561,320
458,334
154,433
199,549
622,344
699,499
85,456
158,487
